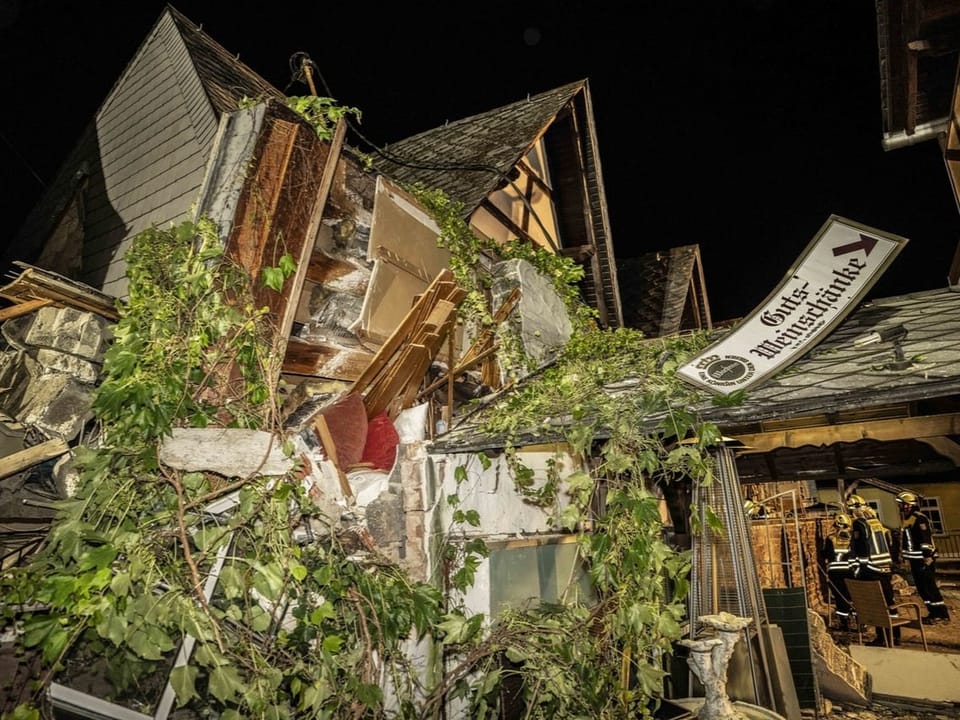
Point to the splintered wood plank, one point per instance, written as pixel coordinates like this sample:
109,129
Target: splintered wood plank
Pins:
485,338
24,308
490,372
23,459
395,340
438,319
458,370
324,360
415,377
379,398
323,432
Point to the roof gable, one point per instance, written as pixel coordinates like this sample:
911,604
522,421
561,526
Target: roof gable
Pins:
141,160
470,157
669,292
225,79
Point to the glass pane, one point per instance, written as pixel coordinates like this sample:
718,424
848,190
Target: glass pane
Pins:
527,576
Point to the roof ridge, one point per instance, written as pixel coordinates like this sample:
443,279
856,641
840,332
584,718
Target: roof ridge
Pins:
223,74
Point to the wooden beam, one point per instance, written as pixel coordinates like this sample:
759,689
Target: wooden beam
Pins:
911,428
400,335
507,222
326,439
24,308
12,464
324,269
944,446
323,360
458,370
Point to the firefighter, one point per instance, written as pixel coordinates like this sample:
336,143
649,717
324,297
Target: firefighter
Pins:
836,557
918,549
870,553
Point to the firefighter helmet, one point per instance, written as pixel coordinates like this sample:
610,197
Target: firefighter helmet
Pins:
855,501
841,521
908,499
752,508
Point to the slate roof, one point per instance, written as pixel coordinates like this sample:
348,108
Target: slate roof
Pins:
225,79
469,157
655,303
835,376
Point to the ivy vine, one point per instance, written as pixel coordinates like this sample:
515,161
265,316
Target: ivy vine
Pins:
290,630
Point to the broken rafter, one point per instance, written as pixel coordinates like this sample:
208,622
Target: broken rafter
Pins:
458,370
34,283
319,359
23,308
12,464
323,432
485,339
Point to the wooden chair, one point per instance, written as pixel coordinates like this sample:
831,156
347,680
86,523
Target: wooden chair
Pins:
870,606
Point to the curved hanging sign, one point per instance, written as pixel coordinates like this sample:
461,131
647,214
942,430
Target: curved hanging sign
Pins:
836,270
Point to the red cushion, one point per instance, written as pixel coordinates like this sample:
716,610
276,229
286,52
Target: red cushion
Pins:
380,449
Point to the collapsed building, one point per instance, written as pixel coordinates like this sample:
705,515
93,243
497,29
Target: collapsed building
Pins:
375,366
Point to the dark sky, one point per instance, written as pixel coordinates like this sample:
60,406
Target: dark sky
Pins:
740,126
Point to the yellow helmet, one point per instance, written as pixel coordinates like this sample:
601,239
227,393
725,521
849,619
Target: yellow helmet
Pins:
908,499
855,501
751,508
842,521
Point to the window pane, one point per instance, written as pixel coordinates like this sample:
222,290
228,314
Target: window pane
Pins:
527,576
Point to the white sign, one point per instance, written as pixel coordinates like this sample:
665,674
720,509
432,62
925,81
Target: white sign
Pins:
836,270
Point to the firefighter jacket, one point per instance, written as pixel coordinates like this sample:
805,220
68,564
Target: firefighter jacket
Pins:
870,547
836,553
916,537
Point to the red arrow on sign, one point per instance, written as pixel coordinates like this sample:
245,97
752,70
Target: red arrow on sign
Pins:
865,243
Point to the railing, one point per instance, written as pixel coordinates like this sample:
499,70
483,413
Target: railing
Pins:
948,546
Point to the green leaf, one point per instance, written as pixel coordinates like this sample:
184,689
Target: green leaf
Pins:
99,557
457,629
112,626
259,619
322,612
54,645
268,579
183,679
37,629
196,626
272,278
208,538
332,644
24,712
287,265
298,571
231,582
225,683
120,584
139,642
208,655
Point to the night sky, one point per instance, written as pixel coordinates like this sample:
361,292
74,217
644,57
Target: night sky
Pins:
740,126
